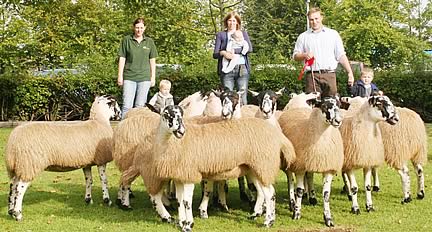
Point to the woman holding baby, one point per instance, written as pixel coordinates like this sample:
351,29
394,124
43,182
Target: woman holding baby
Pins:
233,47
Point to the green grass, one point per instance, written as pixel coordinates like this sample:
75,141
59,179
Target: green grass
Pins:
55,202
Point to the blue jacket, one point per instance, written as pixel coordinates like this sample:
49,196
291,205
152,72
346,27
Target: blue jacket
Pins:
358,89
221,44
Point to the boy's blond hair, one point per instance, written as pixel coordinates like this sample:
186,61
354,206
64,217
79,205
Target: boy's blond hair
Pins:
164,83
367,71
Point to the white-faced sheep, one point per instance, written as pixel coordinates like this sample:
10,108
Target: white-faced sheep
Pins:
318,146
35,147
363,144
213,150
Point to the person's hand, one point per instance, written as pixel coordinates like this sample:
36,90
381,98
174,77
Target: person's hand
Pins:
120,81
308,55
228,55
350,79
152,82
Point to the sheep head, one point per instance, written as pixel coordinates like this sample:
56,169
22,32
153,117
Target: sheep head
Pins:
172,120
330,109
230,103
267,101
105,107
384,108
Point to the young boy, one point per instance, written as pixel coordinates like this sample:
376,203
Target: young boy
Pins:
163,98
236,41
364,87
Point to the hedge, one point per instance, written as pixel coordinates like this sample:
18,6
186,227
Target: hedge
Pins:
69,97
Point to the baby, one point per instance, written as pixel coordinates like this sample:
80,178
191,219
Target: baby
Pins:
236,41
163,98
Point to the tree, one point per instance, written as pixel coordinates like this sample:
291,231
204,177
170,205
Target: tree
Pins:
274,26
373,31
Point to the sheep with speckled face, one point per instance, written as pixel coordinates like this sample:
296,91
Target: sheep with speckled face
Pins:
318,146
38,146
177,154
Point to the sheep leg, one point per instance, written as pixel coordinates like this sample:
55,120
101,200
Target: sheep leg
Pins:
290,180
171,190
404,174
156,201
367,172
124,197
270,199
310,188
181,208
299,195
222,189
347,186
104,183
252,191
420,181
207,190
12,195
21,188
355,209
242,188
187,201
328,178
89,182
376,183
259,204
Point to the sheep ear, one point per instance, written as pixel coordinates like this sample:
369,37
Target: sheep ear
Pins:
255,94
217,92
152,108
280,92
314,102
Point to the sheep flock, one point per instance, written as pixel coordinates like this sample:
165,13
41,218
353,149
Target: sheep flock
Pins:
211,138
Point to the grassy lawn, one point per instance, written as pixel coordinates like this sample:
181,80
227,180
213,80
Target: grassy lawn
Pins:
55,202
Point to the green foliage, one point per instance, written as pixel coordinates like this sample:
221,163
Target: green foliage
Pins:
408,89
274,25
370,34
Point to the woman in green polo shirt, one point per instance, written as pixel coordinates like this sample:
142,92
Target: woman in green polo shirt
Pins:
137,67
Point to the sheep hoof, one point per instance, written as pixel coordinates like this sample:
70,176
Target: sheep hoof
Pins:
420,195
107,201
376,189
187,226
125,207
328,222
313,201
355,210
296,215
17,215
203,214
268,224
168,220
369,208
254,216
89,201
406,200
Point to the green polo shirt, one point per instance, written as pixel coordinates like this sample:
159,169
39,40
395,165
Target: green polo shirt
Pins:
138,55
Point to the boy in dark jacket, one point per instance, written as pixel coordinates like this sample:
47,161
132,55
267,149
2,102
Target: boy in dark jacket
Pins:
364,87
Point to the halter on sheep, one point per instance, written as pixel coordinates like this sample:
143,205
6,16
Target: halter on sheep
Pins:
35,147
